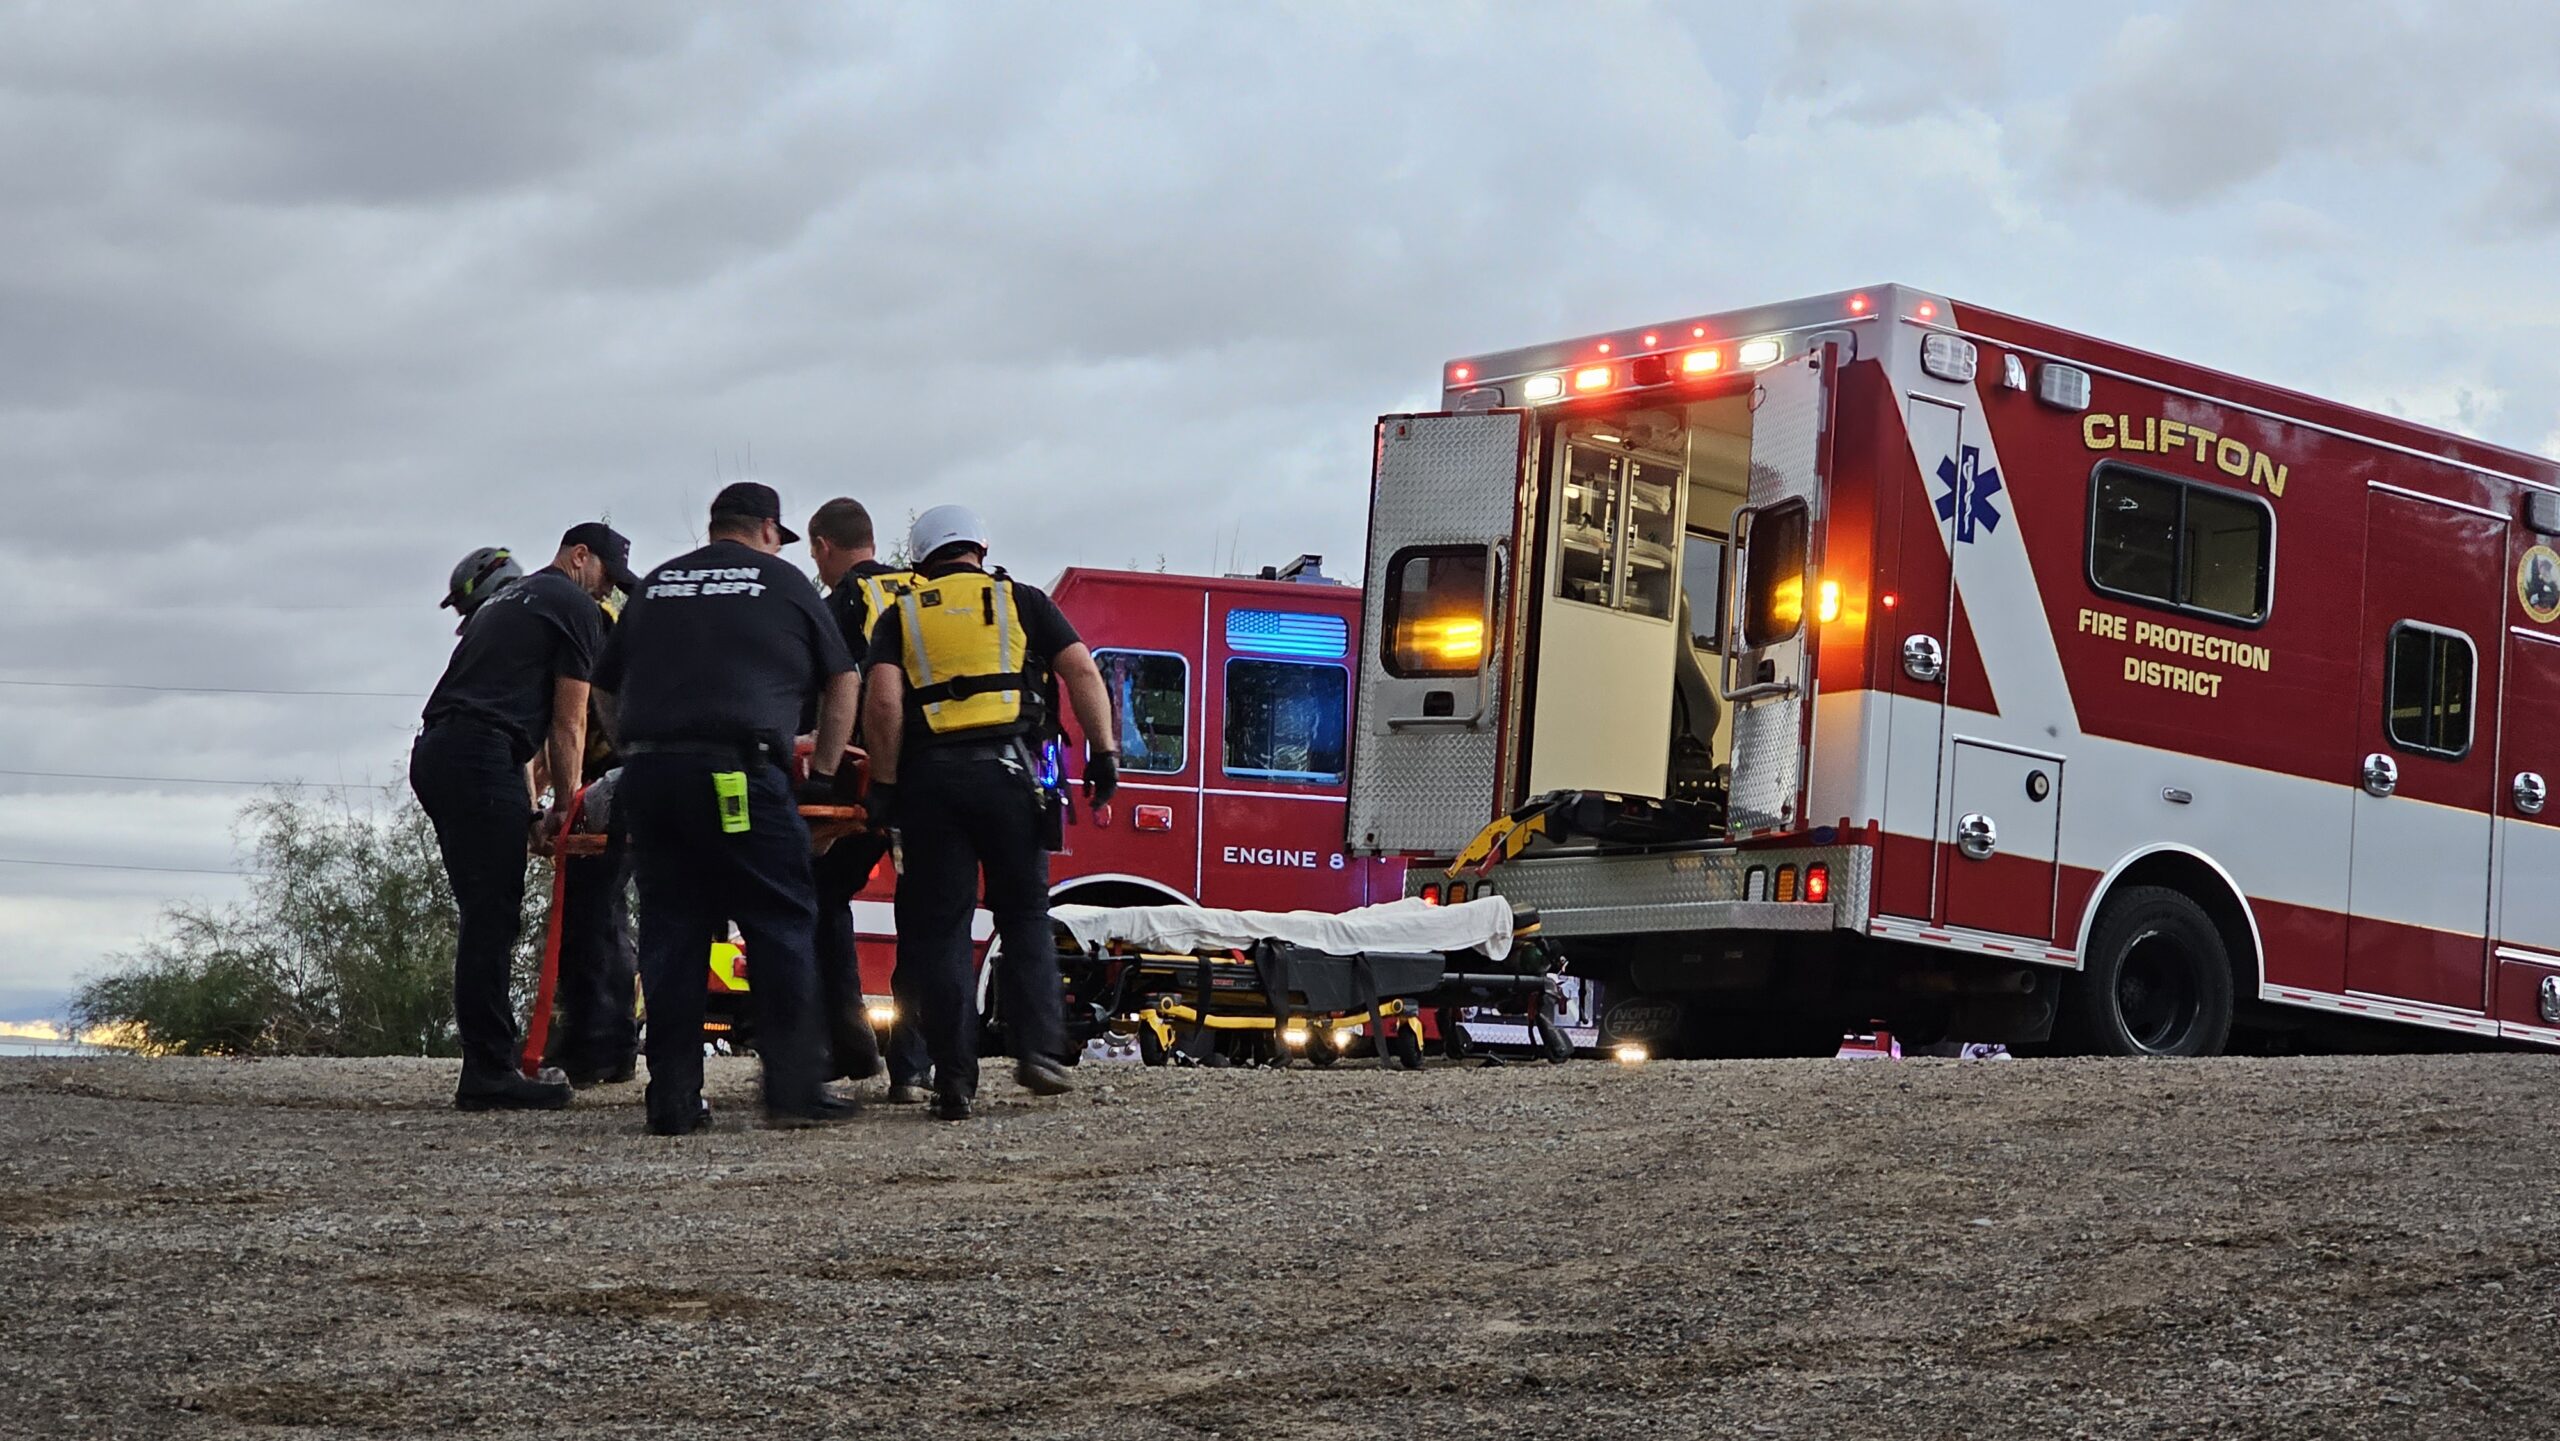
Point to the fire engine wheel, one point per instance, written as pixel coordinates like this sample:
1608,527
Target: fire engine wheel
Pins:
2157,982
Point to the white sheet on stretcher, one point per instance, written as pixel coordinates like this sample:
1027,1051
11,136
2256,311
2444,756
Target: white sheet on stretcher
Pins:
1407,925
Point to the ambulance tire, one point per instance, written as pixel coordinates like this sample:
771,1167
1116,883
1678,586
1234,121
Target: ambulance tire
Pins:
2157,981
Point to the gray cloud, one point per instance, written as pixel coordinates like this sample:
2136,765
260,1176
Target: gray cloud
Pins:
302,301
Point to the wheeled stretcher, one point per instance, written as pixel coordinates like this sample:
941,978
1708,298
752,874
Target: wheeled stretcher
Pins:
1216,986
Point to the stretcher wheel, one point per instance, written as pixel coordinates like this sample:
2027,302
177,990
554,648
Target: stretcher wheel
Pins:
1320,1051
1151,1051
1454,1044
1404,1047
1558,1045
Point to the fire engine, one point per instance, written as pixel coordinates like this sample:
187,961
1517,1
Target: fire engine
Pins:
1233,699
1879,657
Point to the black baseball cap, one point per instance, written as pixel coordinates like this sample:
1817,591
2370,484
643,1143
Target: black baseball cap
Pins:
610,546
755,501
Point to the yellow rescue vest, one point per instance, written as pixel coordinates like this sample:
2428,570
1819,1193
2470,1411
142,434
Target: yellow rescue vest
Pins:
880,592
966,657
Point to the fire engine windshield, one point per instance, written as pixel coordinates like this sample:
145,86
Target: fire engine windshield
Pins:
1773,576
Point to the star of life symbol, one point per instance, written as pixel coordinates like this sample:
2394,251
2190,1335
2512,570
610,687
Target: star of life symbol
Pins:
1970,488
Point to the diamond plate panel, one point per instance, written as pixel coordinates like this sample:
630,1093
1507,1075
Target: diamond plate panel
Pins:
1441,480
1768,733
1653,894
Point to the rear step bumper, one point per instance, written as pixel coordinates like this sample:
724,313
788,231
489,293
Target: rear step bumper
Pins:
1579,892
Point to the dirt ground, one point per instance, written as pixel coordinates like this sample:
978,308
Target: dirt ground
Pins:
2354,1247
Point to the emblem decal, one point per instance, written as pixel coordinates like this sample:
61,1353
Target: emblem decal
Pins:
1970,489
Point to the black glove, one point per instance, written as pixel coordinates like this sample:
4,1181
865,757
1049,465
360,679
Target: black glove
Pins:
883,804
1101,778
817,790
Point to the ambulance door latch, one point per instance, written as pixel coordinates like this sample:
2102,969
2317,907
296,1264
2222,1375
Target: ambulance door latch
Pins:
1976,836
2381,774
1922,659
2530,793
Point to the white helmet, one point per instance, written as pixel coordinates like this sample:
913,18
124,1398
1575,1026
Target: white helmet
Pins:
945,525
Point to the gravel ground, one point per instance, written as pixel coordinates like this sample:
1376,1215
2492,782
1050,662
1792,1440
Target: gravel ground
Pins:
2354,1247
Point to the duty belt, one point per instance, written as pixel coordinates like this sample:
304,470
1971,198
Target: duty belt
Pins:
1014,748
753,753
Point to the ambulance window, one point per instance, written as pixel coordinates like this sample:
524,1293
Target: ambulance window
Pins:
2190,547
2430,690
1150,696
1773,560
1435,621
1286,720
1702,583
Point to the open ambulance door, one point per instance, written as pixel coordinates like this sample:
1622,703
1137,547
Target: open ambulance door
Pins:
1776,594
1608,607
1427,738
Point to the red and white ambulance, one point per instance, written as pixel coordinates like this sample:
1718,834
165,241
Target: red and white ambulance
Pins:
1233,698
1878,656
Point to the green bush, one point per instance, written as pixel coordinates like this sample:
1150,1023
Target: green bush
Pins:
343,946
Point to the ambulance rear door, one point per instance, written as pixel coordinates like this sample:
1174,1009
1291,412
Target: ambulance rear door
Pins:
1777,593
1428,733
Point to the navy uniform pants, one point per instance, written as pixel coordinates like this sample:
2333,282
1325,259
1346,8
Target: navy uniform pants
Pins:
473,790
961,813
694,878
841,873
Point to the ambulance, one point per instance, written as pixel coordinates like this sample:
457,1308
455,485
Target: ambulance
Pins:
1878,658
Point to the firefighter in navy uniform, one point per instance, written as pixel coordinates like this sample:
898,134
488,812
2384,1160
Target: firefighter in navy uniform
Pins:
959,675
517,683
595,1037
860,589
710,668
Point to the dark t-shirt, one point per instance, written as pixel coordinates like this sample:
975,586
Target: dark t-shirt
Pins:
1045,631
723,644
541,629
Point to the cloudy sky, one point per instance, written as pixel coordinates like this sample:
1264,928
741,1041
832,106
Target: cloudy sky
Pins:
299,302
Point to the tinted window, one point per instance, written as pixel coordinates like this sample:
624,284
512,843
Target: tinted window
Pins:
2194,547
1149,700
1285,720
1702,581
2430,690
1435,621
1773,575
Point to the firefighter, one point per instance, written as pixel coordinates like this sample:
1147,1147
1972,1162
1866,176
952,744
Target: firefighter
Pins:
476,577
961,673
860,589
596,1034
709,670
517,682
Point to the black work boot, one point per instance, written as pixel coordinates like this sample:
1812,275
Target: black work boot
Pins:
828,1111
1042,1076
680,1124
508,1091
951,1103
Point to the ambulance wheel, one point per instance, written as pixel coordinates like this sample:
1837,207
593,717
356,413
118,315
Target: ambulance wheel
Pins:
1404,1048
2157,981
1151,1052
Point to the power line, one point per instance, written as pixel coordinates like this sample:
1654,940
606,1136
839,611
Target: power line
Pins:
194,780
114,866
205,689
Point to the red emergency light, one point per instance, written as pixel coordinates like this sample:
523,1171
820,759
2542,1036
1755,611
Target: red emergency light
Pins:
1857,305
1461,374
1595,377
1817,882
